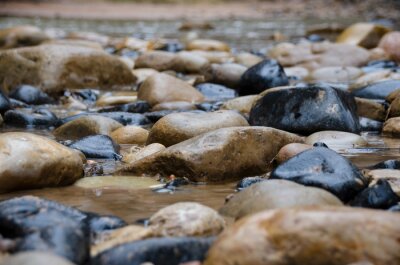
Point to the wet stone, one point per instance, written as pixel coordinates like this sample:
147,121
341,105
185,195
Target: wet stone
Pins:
127,118
30,95
210,106
31,118
379,65
154,116
97,146
378,90
264,75
215,92
17,104
388,164
293,109
323,168
370,125
160,251
247,182
4,103
139,106
378,196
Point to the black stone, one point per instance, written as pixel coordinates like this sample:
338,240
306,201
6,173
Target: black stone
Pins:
31,118
370,125
124,118
30,95
388,164
323,168
247,182
4,103
17,104
266,74
86,95
379,196
159,251
103,223
97,146
378,90
215,92
395,208
43,225
139,106
172,46
209,106
307,110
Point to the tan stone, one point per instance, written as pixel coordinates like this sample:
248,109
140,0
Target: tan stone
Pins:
391,175
21,36
130,135
54,68
174,105
31,161
247,59
85,126
208,45
117,182
160,88
178,127
228,74
89,36
108,100
215,56
336,74
186,219
82,43
336,139
273,194
391,44
139,153
392,127
158,60
312,236
35,258
143,73
299,72
366,35
189,62
241,104
394,109
221,155
290,150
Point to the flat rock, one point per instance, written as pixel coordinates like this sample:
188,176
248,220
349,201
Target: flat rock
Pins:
337,139
177,127
116,182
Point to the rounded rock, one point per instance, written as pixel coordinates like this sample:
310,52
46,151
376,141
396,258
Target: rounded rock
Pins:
130,135
336,139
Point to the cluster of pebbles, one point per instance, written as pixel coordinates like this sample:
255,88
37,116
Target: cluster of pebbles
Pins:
175,113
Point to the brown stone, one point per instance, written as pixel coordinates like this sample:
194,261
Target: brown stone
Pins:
21,36
139,153
366,35
221,155
130,135
208,45
336,74
178,127
174,105
241,104
370,109
312,236
228,74
158,60
35,258
290,150
391,175
392,127
31,161
391,44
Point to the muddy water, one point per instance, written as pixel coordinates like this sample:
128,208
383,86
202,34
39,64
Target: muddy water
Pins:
132,205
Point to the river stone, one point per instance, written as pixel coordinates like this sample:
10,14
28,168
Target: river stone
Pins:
392,127
1,120
366,35
115,100
5,103
247,59
273,194
42,225
215,92
266,74
336,74
215,56
378,90
32,161
295,110
370,125
186,219
174,105
378,196
336,139
323,168
228,74
40,117
97,146
317,55
371,109
387,164
178,127
117,182
130,135
21,36
208,45
85,126
189,62
160,251
30,95
160,88
54,68
392,176
35,258
390,43
158,60
126,118
296,73
213,156
241,104
139,153
331,235
290,150
143,73
139,106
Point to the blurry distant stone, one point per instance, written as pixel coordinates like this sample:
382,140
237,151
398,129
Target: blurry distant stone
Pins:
193,25
85,126
215,92
117,182
143,73
31,118
174,105
321,54
380,65
20,36
290,150
370,124
35,258
130,135
366,35
139,106
264,75
375,77
210,106
378,90
315,38
131,44
336,74
171,46
5,103
336,138
371,109
228,74
391,44
97,146
392,127
299,73
387,164
379,196
56,67
82,43
108,100
208,45
90,36
30,95
241,104
247,59
247,182
160,88
215,56
158,60
325,28
190,62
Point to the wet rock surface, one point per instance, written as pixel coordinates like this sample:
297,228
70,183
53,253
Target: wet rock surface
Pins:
97,146
30,95
40,117
292,109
